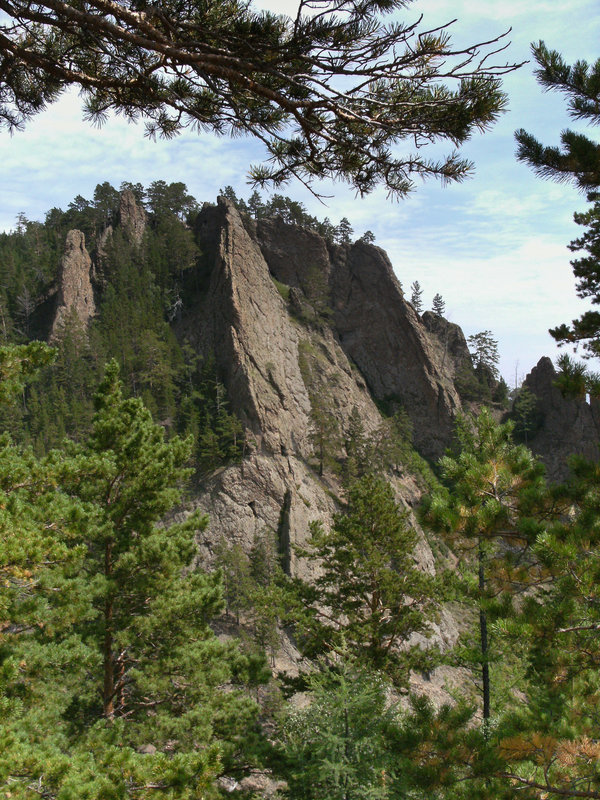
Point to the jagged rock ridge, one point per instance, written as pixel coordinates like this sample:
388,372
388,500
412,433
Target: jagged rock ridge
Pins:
569,426
375,327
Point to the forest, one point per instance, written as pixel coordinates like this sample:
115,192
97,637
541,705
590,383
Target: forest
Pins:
131,669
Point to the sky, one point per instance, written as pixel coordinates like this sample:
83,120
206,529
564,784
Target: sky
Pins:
494,247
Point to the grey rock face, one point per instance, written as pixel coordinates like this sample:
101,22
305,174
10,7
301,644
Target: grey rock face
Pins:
242,318
376,328
273,365
132,216
383,335
75,293
569,426
450,343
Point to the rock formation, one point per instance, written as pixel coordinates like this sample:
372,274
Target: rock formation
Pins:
132,216
375,327
75,292
263,311
449,341
569,426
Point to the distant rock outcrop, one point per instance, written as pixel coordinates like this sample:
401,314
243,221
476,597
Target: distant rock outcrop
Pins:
75,292
569,426
132,216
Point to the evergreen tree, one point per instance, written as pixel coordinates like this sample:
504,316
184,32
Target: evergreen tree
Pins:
484,352
121,645
551,748
338,747
275,81
438,306
370,597
343,232
358,455
488,512
324,433
577,160
525,415
416,297
368,237
586,269
574,378
256,207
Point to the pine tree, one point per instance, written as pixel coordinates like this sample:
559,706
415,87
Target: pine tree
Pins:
130,658
368,237
416,297
552,746
370,597
484,352
324,433
492,485
343,232
339,745
358,455
275,81
577,160
525,415
438,306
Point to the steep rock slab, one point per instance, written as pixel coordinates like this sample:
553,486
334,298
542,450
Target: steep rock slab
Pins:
570,426
383,335
75,293
296,256
271,493
375,327
243,319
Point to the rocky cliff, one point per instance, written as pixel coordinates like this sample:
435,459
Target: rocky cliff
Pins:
293,324
370,320
567,426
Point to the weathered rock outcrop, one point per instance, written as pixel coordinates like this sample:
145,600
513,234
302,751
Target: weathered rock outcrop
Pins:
376,328
132,216
75,292
276,366
272,365
449,342
569,426
260,347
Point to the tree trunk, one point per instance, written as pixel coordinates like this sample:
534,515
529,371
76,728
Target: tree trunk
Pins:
483,633
109,670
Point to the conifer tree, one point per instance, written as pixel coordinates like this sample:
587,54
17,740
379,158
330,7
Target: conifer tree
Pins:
131,660
370,596
484,352
416,297
576,160
339,746
358,455
368,237
343,232
227,68
438,306
525,415
493,485
551,748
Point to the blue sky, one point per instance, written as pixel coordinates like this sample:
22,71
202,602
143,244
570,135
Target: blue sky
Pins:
494,246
